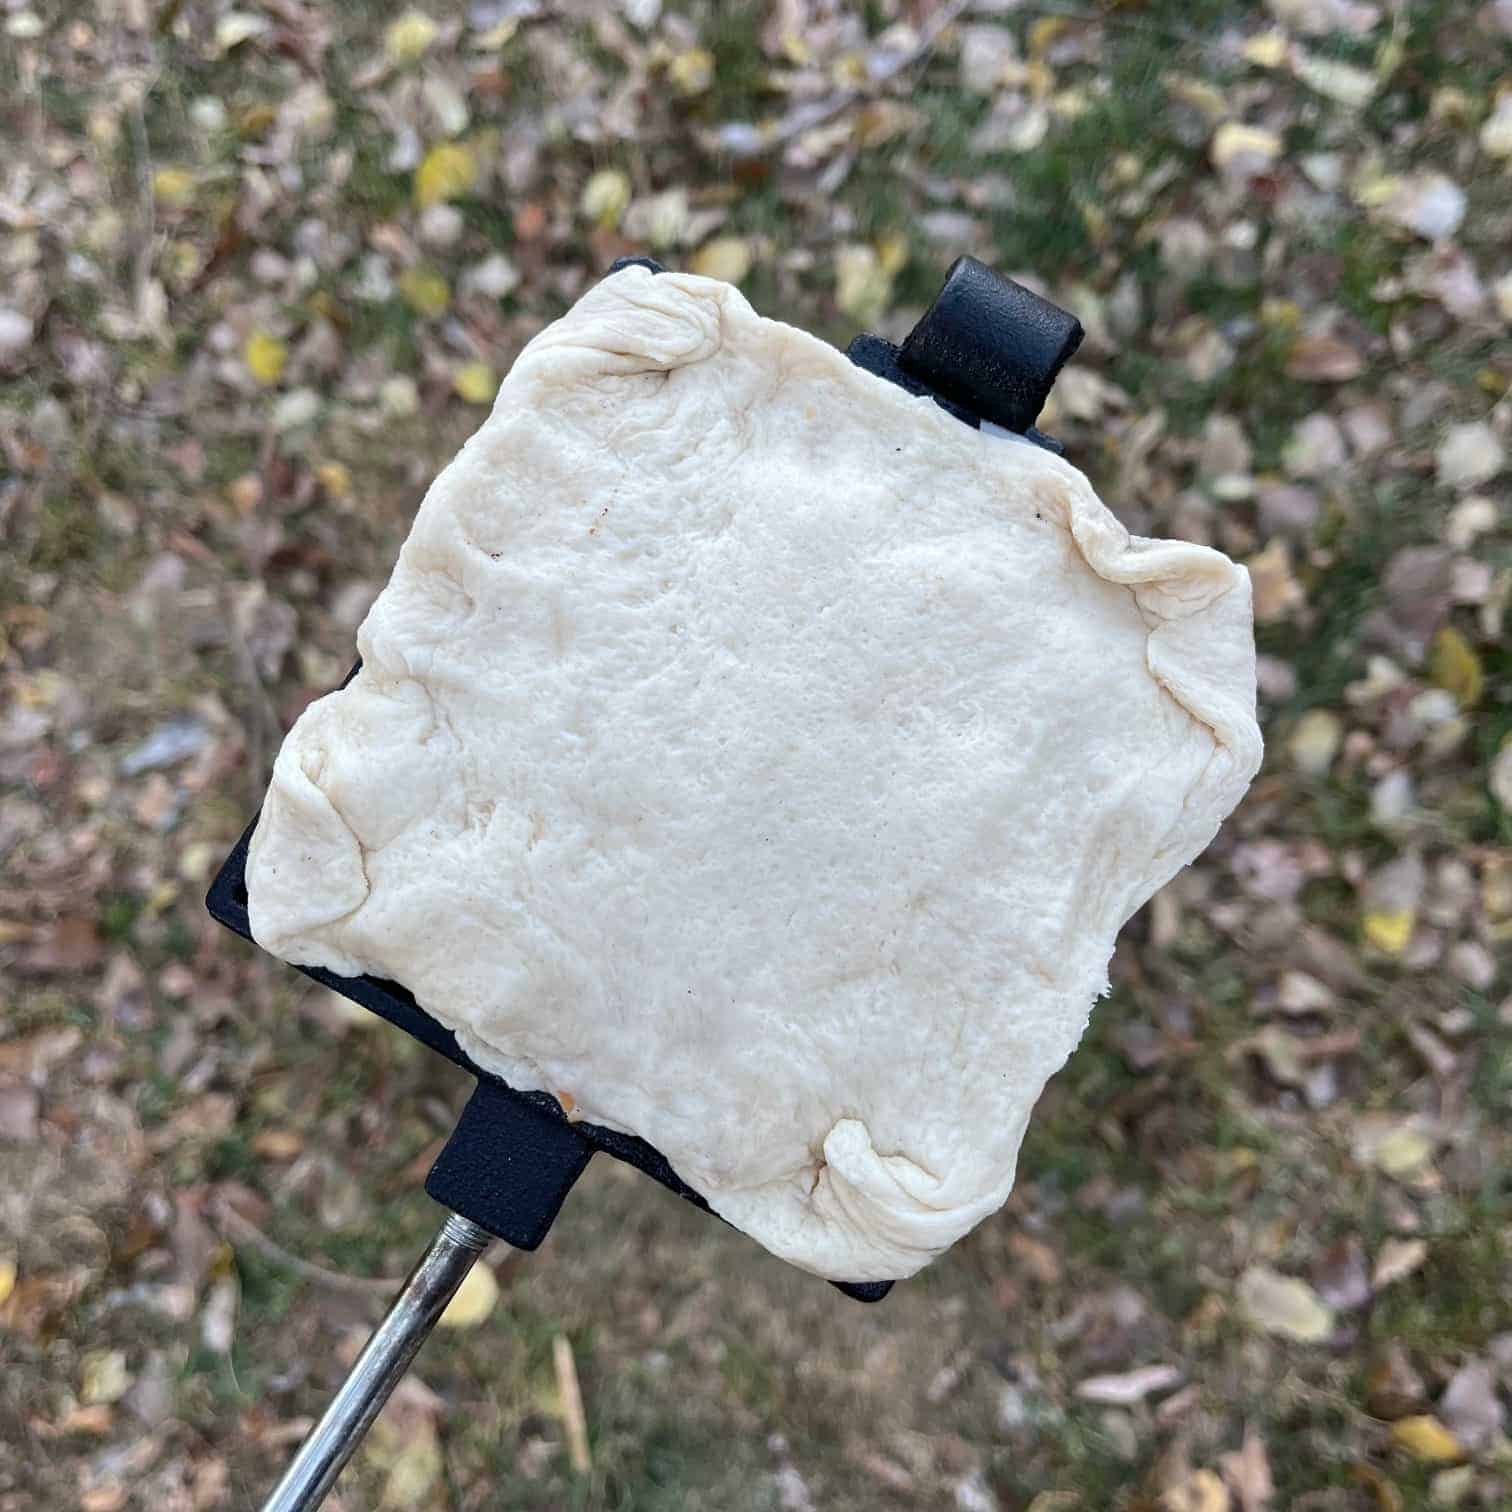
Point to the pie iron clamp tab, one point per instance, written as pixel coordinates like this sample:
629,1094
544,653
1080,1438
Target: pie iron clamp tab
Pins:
987,351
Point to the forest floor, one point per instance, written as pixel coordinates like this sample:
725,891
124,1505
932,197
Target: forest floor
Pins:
262,268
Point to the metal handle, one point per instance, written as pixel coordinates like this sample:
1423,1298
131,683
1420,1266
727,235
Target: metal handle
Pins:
421,1300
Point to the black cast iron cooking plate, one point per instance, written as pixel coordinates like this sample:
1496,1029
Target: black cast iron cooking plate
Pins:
987,349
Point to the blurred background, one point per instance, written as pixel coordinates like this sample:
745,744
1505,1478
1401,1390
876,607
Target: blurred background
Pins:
263,266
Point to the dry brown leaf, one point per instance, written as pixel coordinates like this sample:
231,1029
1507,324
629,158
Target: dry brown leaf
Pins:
1398,1258
1248,1474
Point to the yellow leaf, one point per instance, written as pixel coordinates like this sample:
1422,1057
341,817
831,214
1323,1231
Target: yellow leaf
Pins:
1390,930
605,197
863,287
1247,150
1282,315
726,257
892,253
1044,32
848,71
1202,1491
409,37
1266,49
1425,1438
1453,665
692,72
446,172
265,356
414,1472
1403,1151
173,187
476,382
474,1300
335,479
7,1277
424,291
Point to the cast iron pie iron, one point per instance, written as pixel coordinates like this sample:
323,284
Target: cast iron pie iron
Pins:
988,350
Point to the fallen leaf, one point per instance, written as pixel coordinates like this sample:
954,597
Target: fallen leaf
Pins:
278,1144
1324,359
1275,587
1496,130
605,197
663,220
236,27
1248,1473
1283,1305
1499,779
410,37
1425,1438
110,1497
1387,1497
1315,448
448,171
265,357
1468,456
1399,1149
7,1277
425,291
476,382
218,1316
1244,151
1450,1487
412,1458
692,71
173,188
1429,204
70,944
1393,1388
1036,1257
1315,741
1470,1407
1455,667
1132,1386
1397,1259
726,257
1389,930
98,1420
863,288
474,1299
1266,49
335,479
1349,86
104,1377
1501,291
1202,1491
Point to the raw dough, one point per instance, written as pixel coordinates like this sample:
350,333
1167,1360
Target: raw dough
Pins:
763,761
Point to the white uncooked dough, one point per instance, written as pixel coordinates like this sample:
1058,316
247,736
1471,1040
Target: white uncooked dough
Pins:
764,762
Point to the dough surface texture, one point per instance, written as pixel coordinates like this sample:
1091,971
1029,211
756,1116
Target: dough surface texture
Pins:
766,761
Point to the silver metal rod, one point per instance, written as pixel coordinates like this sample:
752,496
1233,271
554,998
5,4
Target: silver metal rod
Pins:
421,1300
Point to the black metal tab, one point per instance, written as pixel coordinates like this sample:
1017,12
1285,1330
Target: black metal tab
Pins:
990,345
635,262
508,1165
